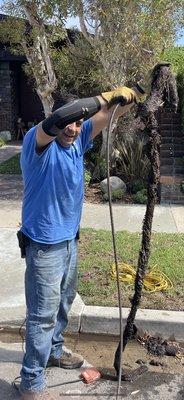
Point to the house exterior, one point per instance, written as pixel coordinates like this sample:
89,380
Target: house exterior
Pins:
18,98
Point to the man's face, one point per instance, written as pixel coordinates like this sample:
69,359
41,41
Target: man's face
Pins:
68,135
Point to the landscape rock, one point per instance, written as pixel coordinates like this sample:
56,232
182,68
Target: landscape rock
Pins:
115,183
5,135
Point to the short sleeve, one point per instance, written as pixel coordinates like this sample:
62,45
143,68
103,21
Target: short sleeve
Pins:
29,155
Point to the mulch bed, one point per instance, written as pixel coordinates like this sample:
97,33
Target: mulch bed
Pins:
93,194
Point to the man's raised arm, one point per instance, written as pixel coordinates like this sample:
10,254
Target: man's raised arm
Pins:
82,109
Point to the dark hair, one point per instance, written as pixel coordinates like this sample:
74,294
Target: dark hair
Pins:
62,99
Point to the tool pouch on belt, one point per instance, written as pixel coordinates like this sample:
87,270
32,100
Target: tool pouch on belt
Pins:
23,243
77,237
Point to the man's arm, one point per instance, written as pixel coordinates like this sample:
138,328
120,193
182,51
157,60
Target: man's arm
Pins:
101,119
85,109
71,112
42,139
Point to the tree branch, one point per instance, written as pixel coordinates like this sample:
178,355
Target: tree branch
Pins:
83,27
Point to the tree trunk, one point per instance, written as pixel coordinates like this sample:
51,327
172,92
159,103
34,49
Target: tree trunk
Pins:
47,102
40,61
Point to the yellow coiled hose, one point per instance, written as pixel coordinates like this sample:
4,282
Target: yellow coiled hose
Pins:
154,279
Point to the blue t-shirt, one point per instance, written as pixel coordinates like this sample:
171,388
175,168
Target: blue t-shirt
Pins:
53,187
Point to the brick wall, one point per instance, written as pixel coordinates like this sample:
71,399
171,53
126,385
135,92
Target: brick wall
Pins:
5,97
171,157
17,98
14,80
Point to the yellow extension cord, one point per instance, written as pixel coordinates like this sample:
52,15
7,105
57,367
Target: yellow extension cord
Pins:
154,279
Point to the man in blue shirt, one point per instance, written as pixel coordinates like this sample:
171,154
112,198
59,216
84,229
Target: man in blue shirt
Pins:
52,167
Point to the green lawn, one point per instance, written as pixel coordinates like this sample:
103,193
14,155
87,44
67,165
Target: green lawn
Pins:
11,166
96,257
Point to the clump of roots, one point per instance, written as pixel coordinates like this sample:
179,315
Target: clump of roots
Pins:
163,95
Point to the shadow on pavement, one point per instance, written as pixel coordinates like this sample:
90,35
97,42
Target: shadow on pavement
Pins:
7,391
12,356
11,187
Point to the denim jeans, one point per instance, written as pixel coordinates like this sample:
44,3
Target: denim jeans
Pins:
50,288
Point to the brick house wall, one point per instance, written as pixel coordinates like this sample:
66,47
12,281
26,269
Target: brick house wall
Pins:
171,158
18,98
5,98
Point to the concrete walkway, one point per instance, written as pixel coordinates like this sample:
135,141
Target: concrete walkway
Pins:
129,217
167,218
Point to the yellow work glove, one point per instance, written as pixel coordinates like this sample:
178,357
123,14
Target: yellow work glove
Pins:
122,95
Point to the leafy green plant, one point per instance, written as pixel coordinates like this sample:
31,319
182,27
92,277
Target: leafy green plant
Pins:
116,194
182,186
100,169
140,197
136,186
2,142
132,163
87,178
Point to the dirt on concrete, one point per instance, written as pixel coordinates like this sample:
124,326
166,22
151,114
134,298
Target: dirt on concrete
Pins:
99,351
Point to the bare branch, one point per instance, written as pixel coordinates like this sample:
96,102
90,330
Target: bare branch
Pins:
83,27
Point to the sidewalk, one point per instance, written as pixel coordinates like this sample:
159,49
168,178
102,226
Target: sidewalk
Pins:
128,217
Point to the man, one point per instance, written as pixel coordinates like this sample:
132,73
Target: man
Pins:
52,167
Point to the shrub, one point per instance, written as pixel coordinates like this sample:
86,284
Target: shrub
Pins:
182,186
100,169
116,194
137,186
87,178
140,197
132,163
2,142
